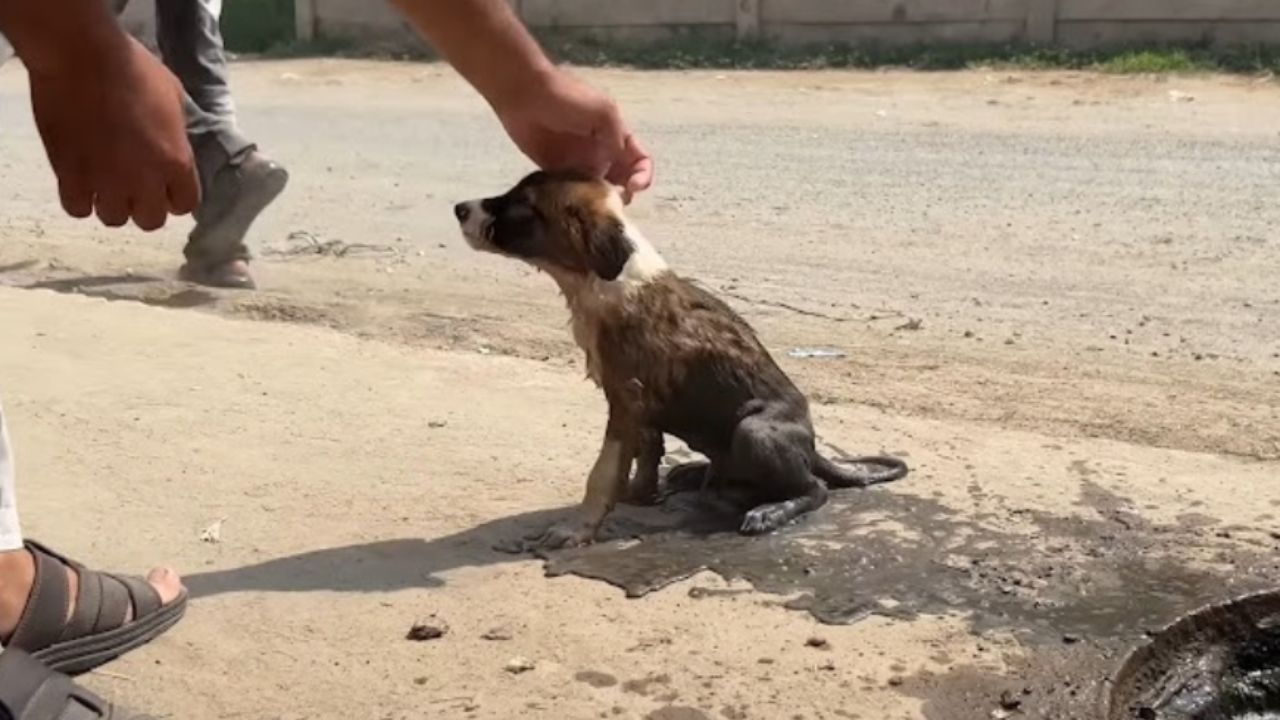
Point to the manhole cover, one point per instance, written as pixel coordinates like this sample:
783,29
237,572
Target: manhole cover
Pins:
1221,662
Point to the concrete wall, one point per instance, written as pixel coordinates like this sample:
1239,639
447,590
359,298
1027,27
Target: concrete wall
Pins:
1077,24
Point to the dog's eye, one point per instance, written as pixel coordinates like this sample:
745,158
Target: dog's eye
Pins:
512,223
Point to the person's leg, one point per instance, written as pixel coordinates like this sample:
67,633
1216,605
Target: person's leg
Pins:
190,38
40,593
238,182
10,528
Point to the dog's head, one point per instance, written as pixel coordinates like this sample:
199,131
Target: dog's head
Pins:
563,223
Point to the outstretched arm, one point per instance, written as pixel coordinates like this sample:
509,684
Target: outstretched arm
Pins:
558,121
108,112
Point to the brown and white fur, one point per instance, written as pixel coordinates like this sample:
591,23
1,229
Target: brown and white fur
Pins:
670,357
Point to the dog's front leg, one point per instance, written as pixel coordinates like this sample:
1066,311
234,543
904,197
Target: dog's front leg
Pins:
605,484
644,486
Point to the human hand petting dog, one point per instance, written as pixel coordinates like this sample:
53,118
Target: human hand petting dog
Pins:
561,123
111,118
555,119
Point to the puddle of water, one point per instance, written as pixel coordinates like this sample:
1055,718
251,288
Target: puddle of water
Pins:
882,551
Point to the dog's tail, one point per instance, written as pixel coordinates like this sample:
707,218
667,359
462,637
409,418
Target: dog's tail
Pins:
836,476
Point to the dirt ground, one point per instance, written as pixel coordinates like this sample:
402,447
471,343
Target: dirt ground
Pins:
1054,294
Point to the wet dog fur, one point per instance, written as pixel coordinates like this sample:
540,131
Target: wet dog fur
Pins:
670,357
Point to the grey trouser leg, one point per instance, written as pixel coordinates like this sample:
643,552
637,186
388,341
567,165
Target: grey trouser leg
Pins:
190,39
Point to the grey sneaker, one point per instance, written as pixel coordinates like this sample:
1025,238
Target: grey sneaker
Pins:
233,275
238,192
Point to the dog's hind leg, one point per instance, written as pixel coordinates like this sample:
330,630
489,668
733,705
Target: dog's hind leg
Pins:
771,516
772,455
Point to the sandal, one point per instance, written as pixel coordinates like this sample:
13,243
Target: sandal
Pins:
96,632
31,691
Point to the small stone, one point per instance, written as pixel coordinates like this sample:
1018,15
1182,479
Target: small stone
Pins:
1008,701
420,681
518,665
421,632
818,643
895,681
827,666
1070,639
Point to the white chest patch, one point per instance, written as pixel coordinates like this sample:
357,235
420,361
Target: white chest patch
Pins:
645,263
592,300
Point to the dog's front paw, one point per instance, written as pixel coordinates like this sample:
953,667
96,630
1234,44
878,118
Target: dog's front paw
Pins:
565,535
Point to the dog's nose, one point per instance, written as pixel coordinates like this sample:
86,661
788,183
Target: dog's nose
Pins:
462,211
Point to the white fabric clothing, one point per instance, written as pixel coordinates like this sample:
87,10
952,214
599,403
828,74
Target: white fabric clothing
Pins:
10,530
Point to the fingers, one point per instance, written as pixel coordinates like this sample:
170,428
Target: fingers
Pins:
147,200
112,207
150,208
632,169
75,191
610,131
641,166
75,186
183,190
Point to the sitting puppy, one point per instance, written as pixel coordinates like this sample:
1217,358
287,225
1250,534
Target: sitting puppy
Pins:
670,357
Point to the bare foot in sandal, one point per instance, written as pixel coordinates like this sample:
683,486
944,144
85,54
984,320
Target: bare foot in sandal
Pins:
74,619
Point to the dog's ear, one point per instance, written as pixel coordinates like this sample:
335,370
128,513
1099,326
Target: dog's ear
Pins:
608,248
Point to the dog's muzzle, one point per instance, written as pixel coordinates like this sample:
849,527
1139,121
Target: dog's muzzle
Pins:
474,222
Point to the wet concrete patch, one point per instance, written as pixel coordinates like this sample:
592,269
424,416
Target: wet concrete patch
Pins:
884,551
1077,590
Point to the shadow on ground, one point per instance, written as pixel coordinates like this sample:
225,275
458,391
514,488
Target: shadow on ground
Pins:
156,291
